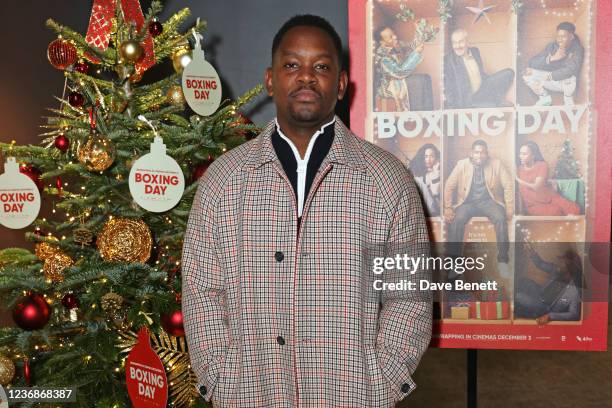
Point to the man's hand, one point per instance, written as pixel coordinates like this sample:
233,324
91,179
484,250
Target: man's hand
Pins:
509,215
528,72
419,48
559,55
449,214
542,320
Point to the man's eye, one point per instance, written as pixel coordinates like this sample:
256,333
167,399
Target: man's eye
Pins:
290,65
322,67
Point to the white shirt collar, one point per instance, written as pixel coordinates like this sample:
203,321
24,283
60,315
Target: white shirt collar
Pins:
296,153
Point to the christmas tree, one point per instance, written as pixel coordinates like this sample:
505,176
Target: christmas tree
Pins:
103,266
567,165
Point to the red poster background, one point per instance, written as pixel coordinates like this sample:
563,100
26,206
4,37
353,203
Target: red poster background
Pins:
594,327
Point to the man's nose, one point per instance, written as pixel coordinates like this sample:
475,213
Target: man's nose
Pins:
306,75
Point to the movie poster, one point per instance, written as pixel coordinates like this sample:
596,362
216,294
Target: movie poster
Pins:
492,106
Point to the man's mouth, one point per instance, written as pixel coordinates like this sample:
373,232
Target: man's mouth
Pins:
305,95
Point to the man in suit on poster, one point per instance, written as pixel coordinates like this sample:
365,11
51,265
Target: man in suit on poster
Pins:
278,298
557,67
466,83
479,186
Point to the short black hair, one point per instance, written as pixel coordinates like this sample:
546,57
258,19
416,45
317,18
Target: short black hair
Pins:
567,26
309,20
480,142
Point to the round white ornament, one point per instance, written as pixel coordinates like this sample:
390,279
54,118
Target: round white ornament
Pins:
201,84
19,197
156,180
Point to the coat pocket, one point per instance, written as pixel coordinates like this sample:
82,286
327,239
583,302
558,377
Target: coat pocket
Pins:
380,394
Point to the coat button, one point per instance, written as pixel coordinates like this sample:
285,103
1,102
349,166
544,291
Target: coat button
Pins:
405,387
279,256
203,390
280,340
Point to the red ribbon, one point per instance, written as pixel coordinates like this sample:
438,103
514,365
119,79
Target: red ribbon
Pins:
100,25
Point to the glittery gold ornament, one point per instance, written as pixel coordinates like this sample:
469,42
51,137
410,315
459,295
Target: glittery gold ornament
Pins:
175,95
7,370
117,103
181,57
54,266
82,236
125,240
44,250
131,51
136,77
111,302
97,153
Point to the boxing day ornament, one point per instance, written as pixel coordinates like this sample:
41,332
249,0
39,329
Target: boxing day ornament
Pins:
156,180
146,378
19,197
201,84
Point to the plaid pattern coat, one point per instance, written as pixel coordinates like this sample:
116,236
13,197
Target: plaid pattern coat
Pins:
274,318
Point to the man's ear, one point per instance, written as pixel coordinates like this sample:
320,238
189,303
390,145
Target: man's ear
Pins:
342,84
268,81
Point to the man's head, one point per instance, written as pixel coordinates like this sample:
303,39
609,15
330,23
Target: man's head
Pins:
459,41
565,34
388,38
306,78
480,152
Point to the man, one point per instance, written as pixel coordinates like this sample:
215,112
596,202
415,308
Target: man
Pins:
395,68
483,188
558,299
557,67
466,84
278,304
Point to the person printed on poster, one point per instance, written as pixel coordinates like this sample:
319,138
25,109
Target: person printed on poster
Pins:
557,67
466,83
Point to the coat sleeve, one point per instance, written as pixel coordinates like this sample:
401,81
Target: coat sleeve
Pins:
570,67
203,293
540,61
507,183
450,86
451,187
405,321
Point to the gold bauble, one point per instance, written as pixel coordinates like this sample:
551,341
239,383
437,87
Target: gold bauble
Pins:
181,57
175,95
131,51
125,240
7,370
44,250
97,153
82,235
117,104
111,302
54,266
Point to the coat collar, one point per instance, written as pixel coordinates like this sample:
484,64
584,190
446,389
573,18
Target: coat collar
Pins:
344,149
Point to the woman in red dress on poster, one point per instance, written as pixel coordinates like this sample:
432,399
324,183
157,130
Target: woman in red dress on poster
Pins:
537,195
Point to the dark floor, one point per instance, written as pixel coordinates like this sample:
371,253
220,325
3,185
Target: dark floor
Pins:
514,378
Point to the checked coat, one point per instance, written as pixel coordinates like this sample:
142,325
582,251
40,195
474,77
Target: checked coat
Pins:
280,318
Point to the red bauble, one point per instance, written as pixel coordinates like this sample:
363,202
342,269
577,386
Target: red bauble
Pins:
62,143
81,67
27,373
76,99
155,28
59,185
33,173
61,54
201,169
32,312
173,323
70,301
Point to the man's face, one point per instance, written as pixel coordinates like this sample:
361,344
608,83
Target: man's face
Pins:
430,158
460,44
564,38
305,80
479,154
388,38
